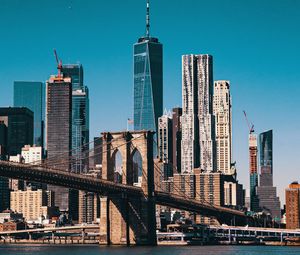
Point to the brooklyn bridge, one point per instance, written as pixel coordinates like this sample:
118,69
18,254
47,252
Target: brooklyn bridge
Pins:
127,204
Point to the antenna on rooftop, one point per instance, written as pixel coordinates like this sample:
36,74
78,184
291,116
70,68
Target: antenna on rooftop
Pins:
148,19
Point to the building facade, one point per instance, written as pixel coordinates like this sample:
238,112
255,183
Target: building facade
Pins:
292,199
31,203
80,130
59,131
16,130
176,139
89,207
31,94
198,122
222,112
253,165
190,150
165,143
148,82
234,195
97,151
268,200
17,123
209,189
32,154
80,117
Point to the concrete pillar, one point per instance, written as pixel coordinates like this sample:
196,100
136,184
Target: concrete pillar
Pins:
82,235
104,233
53,237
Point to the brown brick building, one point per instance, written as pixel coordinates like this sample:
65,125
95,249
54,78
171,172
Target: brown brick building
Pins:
292,197
11,226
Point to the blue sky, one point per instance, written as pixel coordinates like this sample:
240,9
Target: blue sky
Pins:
255,45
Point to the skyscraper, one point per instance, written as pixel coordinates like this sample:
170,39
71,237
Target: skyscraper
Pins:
198,123
165,138
222,112
268,201
80,117
31,94
59,131
254,206
148,81
177,134
17,124
16,130
74,71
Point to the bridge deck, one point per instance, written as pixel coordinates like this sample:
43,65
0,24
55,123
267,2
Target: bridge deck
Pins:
106,188
58,229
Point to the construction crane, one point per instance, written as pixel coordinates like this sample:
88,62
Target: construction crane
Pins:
59,64
251,127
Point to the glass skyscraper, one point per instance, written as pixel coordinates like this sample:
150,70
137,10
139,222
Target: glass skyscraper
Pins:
80,117
59,132
80,129
268,201
75,71
31,94
148,82
16,129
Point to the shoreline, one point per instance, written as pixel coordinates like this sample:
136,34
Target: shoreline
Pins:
96,243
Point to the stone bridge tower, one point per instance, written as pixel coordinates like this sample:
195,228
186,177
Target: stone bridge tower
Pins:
128,159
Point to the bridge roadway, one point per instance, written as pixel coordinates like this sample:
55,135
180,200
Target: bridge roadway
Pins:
293,232
106,188
254,233
58,229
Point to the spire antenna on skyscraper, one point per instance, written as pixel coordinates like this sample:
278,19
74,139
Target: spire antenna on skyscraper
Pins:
148,19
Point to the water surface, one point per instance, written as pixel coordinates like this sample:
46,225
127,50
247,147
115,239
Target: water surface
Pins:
160,250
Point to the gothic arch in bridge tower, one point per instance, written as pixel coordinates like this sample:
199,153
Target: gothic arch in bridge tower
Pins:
136,161
117,161
127,219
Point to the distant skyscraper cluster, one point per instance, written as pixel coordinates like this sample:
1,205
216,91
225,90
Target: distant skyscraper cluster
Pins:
50,122
193,143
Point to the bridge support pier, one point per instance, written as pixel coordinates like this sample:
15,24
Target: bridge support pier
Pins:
127,221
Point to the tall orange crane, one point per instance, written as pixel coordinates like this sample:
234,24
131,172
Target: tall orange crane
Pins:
251,127
59,64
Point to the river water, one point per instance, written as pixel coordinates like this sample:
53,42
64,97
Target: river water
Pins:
160,250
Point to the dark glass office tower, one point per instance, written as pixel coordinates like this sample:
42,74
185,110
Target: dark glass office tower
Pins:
80,117
59,131
148,82
17,124
268,201
16,130
31,94
74,71
177,134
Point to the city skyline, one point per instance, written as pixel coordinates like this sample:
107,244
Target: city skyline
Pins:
251,74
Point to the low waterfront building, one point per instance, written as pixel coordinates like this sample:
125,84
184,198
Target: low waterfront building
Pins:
32,204
8,215
11,226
